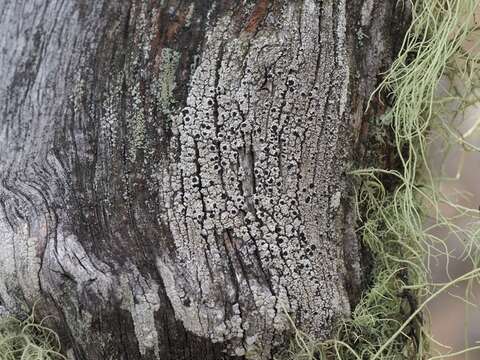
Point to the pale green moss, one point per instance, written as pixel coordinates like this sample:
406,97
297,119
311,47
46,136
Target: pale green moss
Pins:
27,340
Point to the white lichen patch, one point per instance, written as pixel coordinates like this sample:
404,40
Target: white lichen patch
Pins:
189,315
136,121
109,121
140,297
255,181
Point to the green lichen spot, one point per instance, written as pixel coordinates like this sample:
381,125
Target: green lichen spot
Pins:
168,66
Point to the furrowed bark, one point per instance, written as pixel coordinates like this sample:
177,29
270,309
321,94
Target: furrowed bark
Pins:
173,173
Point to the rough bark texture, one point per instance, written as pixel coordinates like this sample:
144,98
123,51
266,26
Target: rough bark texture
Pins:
173,173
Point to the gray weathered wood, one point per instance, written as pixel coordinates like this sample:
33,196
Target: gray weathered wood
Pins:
173,173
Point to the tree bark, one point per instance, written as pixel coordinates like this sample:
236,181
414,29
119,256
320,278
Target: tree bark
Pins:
173,173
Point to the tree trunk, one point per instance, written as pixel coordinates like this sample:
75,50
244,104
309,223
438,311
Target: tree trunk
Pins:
173,173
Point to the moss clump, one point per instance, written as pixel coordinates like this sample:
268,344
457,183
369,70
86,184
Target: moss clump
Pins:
389,322
27,340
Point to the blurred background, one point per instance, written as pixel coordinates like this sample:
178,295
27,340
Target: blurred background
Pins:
455,322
